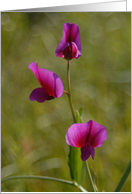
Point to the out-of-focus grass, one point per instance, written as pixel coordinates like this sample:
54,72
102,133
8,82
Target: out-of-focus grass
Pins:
33,134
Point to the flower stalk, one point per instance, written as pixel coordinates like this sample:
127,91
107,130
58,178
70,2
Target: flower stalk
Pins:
89,175
66,92
69,93
75,121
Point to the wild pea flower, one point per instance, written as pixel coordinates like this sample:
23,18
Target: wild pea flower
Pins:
51,84
86,136
70,44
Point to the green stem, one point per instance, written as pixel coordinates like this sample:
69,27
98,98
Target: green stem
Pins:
89,175
75,120
69,93
45,178
123,178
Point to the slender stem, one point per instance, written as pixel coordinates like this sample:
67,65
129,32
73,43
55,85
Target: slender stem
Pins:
123,178
69,91
46,178
89,175
75,120
82,189
66,92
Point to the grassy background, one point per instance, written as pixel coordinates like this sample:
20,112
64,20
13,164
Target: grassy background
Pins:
33,134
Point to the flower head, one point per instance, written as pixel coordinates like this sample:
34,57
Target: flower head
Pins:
70,44
51,84
86,136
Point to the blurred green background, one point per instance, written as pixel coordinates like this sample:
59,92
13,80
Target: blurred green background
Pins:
32,133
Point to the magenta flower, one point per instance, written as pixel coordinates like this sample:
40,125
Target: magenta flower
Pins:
70,44
51,84
86,136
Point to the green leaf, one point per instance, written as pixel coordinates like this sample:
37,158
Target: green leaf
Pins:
77,168
81,111
78,117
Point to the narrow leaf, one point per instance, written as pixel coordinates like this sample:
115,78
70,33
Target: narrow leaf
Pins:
78,117
77,168
123,178
81,111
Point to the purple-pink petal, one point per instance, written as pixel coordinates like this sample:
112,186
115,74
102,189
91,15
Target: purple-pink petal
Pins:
64,40
99,138
38,94
66,32
86,136
75,36
48,80
86,151
97,134
77,134
71,39
70,51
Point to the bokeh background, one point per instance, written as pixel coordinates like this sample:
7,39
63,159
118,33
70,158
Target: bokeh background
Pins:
32,133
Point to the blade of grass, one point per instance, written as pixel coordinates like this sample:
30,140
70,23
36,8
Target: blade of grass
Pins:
123,178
